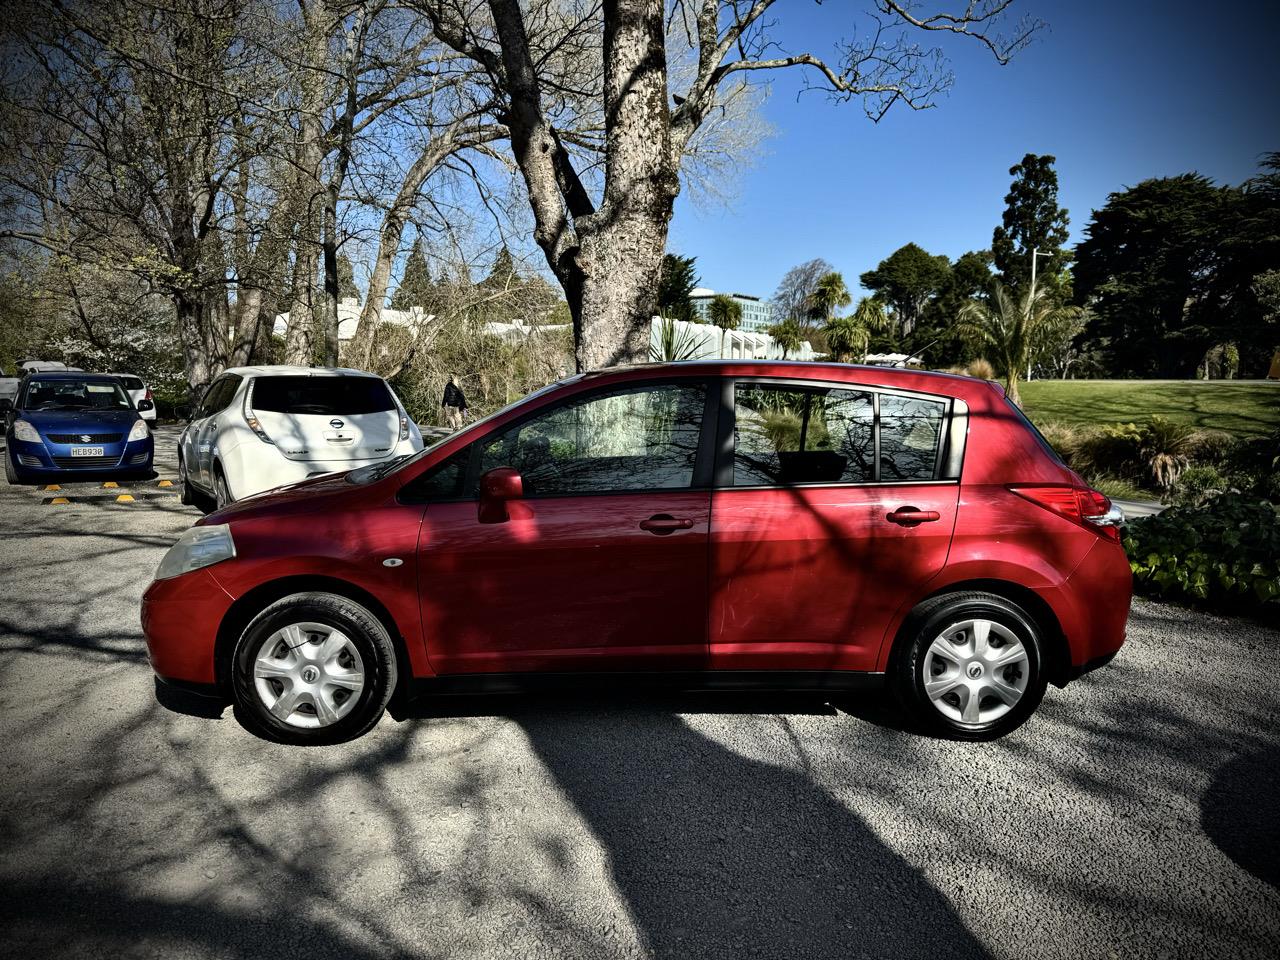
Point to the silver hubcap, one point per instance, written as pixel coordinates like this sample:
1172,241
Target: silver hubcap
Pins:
976,671
308,675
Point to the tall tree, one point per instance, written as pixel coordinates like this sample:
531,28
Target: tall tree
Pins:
847,337
676,282
416,287
829,295
795,291
347,289
1032,221
725,312
1017,332
606,247
1145,263
907,280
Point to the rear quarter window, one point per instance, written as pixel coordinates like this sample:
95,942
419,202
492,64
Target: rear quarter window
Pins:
329,396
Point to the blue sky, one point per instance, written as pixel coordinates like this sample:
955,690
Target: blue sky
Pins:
1118,92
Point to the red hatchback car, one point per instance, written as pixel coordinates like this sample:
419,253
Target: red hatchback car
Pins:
791,525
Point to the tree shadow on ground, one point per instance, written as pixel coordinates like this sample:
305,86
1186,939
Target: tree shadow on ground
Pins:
708,868
1240,812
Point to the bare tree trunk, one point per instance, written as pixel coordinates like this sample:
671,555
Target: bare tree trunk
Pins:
303,312
622,244
191,334
328,325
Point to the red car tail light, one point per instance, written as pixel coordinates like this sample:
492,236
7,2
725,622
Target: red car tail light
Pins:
148,396
1082,506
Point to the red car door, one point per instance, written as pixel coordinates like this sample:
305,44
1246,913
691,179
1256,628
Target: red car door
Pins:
602,564
830,517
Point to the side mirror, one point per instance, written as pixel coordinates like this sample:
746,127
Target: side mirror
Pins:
146,405
497,486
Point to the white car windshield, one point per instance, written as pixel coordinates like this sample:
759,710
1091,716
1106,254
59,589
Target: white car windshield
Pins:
67,394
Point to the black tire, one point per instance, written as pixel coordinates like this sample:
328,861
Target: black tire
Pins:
927,623
190,495
10,474
366,633
221,490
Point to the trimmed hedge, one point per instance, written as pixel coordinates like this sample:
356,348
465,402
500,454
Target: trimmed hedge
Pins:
1223,552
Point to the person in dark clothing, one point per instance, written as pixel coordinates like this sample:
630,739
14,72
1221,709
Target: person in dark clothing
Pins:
454,403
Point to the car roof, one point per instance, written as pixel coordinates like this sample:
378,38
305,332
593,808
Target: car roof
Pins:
869,374
286,370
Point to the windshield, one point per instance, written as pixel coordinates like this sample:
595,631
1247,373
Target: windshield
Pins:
327,396
377,471
76,395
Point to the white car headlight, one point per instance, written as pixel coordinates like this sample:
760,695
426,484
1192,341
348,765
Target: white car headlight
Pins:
25,431
197,547
139,431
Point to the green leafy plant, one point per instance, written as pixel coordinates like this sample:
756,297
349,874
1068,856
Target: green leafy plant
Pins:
1198,484
1222,552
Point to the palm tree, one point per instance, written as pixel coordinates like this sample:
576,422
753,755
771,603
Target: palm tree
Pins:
724,311
829,295
788,335
1016,332
849,335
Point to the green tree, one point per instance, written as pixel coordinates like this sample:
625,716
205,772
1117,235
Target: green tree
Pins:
795,290
1017,333
725,312
416,288
907,280
936,338
829,295
1032,221
675,286
847,337
347,288
788,334
504,276
1144,268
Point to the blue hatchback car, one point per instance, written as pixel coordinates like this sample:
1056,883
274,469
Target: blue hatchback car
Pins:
61,425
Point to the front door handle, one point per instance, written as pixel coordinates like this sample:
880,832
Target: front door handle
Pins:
663,524
910,516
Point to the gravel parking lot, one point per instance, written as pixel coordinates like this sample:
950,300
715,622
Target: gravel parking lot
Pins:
1135,816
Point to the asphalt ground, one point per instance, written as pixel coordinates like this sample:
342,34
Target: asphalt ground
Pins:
1135,816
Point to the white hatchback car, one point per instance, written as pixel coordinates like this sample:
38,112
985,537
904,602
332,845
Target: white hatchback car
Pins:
140,394
262,427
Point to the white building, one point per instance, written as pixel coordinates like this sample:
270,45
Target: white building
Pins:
513,331
349,318
757,313
702,341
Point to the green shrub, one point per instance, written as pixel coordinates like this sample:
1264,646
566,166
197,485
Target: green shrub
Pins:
1117,489
1211,448
1198,484
1221,552
981,368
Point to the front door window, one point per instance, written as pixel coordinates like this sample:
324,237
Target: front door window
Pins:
641,439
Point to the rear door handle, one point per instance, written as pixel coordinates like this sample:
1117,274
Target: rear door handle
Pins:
910,516
663,524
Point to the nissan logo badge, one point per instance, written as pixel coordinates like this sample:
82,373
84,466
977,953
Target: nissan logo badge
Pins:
336,423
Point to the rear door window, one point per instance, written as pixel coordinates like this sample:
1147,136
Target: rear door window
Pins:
785,434
910,431
327,396
132,383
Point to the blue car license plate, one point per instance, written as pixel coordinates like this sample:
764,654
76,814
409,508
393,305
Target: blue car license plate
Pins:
86,451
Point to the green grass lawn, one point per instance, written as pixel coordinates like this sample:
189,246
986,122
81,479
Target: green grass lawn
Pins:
1244,408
